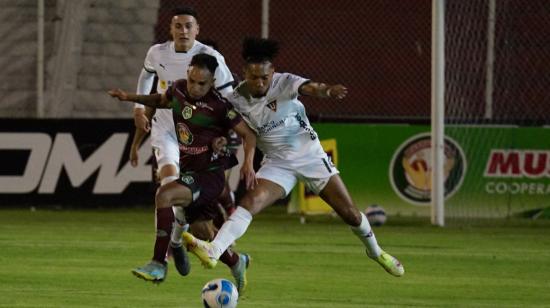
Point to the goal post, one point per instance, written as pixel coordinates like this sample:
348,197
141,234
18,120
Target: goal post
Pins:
438,112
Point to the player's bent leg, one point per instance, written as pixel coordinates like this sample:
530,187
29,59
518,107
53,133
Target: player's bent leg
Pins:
173,193
337,196
166,195
265,193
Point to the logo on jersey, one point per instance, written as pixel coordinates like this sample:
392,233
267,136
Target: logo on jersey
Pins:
231,114
411,169
162,65
187,112
272,105
184,134
187,179
306,127
163,84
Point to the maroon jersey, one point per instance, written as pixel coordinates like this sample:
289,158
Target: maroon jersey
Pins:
197,123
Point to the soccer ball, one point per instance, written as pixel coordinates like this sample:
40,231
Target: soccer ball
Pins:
219,293
375,215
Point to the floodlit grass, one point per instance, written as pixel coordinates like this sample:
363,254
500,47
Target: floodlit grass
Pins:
82,258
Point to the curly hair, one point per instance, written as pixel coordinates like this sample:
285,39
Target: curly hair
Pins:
258,50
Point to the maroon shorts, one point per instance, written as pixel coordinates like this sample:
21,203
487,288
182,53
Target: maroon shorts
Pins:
206,187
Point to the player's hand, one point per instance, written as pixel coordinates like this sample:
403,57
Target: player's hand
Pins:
141,121
134,156
337,91
249,175
118,93
218,144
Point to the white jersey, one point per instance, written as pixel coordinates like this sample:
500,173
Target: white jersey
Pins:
279,119
169,66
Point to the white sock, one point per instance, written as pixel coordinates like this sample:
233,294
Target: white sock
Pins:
178,226
232,229
365,234
232,195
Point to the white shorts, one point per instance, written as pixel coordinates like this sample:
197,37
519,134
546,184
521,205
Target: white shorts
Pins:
163,139
314,172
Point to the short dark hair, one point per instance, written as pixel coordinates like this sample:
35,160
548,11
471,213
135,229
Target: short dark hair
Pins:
184,10
258,50
203,60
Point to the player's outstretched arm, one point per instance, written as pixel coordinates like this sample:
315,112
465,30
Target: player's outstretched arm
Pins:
249,144
152,100
322,90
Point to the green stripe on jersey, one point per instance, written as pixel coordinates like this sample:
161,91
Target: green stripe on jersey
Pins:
201,120
176,107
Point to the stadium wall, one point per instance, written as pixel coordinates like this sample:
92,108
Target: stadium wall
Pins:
379,49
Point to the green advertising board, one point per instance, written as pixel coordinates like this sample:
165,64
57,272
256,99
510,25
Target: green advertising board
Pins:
490,171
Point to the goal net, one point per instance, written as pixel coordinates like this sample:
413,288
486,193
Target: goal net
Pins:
497,105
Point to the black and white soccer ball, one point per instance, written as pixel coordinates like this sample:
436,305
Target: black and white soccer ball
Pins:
376,215
220,293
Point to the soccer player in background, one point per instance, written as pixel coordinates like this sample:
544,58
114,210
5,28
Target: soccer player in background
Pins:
200,115
268,101
169,62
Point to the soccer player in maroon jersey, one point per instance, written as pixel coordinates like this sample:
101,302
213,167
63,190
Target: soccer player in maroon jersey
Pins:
168,62
200,115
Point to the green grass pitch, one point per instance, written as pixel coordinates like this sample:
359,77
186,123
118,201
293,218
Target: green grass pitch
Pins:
83,258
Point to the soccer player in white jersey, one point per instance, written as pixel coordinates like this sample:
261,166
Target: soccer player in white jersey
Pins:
169,62
268,102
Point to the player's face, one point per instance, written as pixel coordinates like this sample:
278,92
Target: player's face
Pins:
199,82
184,30
258,77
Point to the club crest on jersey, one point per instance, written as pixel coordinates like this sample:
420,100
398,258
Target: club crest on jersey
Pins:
184,134
163,84
231,114
187,179
272,105
187,112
